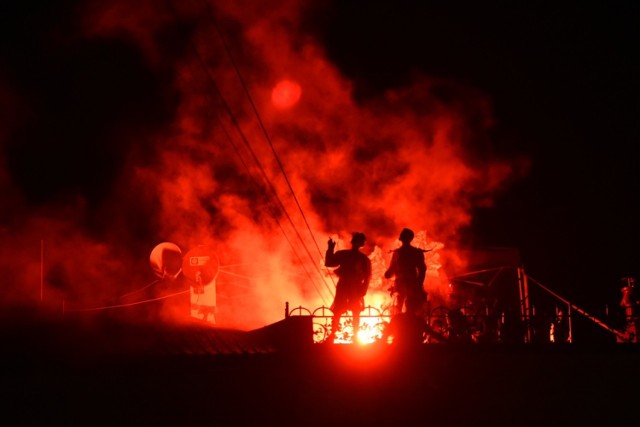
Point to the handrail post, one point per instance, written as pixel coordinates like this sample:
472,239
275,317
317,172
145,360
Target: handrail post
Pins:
527,305
569,323
525,310
572,307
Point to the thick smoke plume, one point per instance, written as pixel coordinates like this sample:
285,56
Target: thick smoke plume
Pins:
170,122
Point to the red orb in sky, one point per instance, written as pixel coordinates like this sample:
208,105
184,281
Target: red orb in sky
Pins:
286,94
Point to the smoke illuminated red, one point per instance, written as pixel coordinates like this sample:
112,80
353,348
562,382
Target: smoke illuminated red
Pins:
264,189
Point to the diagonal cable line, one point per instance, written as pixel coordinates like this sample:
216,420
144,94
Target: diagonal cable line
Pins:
218,95
261,123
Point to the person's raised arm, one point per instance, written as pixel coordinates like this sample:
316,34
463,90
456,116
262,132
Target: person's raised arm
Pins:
329,257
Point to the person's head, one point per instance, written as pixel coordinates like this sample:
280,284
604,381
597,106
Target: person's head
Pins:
358,239
406,235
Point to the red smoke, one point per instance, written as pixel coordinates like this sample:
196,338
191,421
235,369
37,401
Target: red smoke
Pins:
266,186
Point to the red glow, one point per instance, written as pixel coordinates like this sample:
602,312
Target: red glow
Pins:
361,358
286,94
397,160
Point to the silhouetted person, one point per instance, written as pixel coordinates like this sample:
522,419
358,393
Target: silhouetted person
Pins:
409,270
459,330
406,329
409,328
354,275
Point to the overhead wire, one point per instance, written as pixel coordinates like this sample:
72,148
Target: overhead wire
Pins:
261,123
131,304
267,136
250,98
218,95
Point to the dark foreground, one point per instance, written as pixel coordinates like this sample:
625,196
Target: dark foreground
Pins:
318,385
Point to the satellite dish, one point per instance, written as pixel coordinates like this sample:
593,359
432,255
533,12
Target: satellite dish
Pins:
200,265
166,260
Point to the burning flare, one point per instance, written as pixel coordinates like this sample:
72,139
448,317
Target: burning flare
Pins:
286,94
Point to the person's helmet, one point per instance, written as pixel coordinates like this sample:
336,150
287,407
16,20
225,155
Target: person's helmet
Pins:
406,235
358,239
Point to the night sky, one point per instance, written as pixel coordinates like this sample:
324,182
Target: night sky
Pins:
562,84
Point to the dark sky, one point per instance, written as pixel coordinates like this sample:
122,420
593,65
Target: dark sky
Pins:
563,81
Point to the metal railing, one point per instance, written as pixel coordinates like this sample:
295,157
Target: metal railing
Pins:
467,323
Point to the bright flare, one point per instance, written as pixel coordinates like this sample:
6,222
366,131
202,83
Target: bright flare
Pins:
286,94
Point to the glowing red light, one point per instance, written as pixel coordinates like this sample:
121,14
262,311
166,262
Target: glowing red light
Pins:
286,94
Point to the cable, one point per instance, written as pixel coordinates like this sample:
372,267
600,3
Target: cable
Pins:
218,95
264,174
234,121
127,305
261,123
578,309
138,290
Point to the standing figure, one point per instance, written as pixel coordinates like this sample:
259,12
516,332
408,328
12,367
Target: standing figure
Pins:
354,275
409,269
410,328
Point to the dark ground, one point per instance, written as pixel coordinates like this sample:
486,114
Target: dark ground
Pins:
70,377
